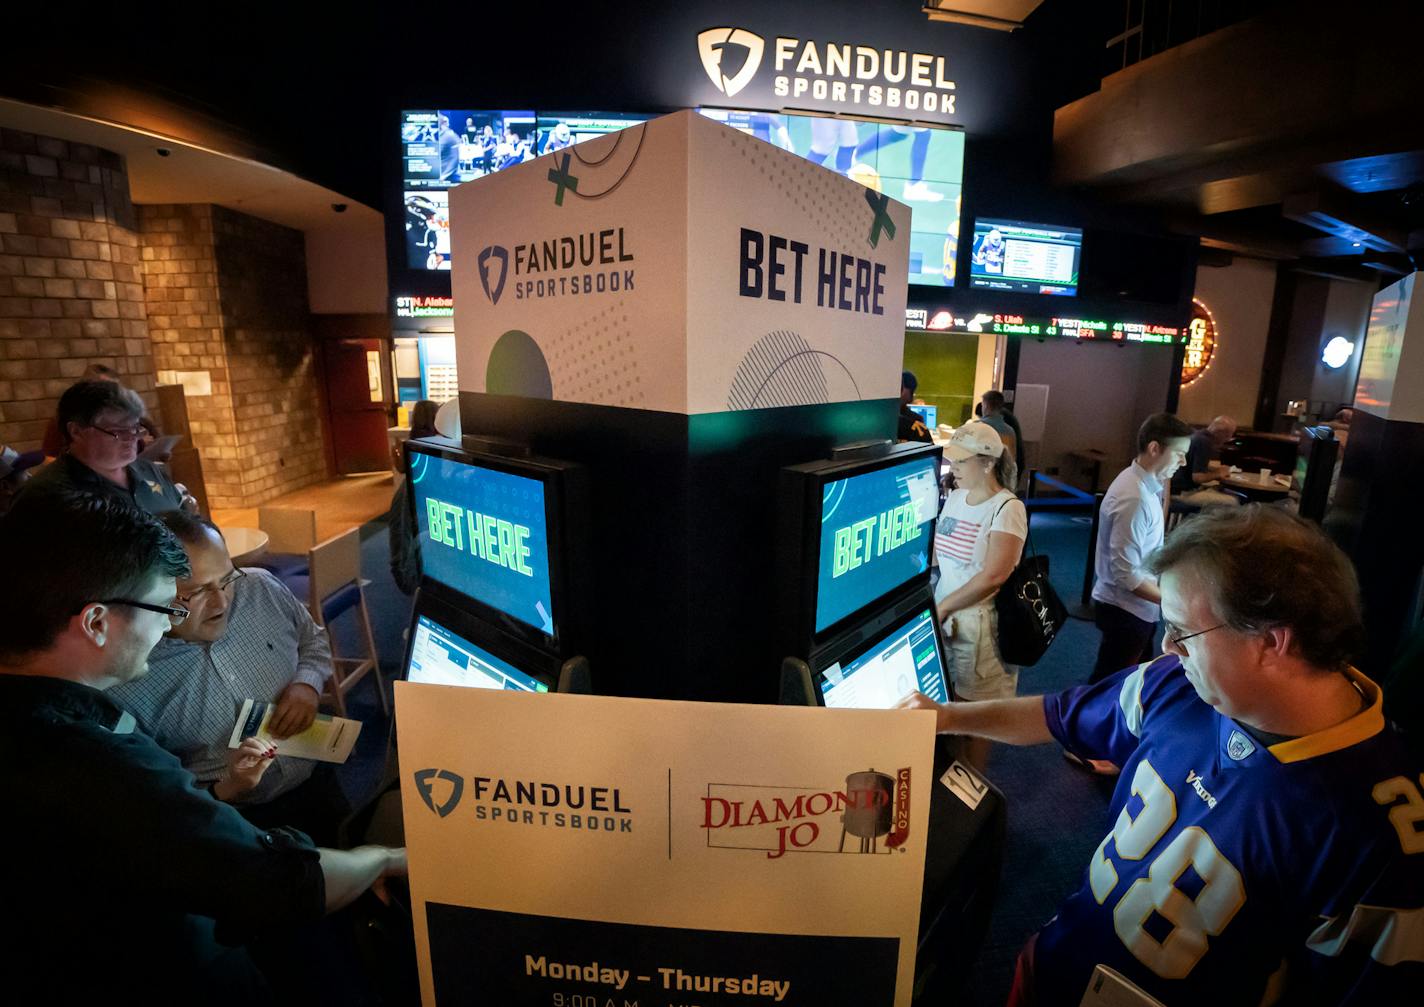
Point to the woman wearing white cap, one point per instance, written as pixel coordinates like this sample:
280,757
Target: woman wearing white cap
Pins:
978,541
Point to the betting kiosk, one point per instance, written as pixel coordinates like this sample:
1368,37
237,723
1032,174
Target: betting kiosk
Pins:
856,534
500,562
1314,471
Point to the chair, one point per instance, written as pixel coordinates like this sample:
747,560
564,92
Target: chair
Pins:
334,587
291,534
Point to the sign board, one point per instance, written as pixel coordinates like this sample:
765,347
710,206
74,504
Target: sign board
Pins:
424,306
1202,337
588,850
1008,323
1031,410
680,266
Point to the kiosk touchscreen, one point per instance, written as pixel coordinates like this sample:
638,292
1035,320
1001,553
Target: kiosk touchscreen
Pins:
495,535
440,656
904,658
854,533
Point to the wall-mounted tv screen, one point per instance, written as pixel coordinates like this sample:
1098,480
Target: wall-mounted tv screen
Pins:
440,148
1024,257
921,166
875,535
484,534
558,130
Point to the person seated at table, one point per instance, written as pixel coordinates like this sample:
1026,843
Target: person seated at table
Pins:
125,880
246,637
101,425
1267,844
53,442
15,469
1188,484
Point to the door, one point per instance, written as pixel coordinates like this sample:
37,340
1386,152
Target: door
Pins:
357,398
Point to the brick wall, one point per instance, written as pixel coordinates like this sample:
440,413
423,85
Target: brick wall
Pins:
185,325
70,284
267,334
227,295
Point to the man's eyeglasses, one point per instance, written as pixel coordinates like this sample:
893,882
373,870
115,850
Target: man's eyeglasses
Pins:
1177,638
176,613
123,433
233,576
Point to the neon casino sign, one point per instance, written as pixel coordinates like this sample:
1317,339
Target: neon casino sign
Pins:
1201,343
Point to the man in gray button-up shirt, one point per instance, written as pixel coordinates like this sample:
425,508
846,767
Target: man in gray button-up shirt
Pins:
246,637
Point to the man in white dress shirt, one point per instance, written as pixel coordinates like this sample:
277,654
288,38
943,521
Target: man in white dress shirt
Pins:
1126,599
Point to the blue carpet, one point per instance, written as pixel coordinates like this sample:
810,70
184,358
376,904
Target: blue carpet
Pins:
1057,813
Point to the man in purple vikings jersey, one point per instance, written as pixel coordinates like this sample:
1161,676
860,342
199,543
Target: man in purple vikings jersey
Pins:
1268,836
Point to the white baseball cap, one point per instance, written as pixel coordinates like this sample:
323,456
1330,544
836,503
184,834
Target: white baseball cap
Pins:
974,439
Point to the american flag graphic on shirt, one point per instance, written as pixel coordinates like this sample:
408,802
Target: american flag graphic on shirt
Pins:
955,539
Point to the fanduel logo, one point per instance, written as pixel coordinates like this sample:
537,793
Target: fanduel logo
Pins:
425,786
500,255
712,47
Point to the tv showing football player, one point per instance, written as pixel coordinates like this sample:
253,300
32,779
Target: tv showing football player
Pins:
919,165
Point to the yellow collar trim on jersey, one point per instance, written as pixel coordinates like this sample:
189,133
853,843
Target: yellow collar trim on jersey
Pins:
1363,725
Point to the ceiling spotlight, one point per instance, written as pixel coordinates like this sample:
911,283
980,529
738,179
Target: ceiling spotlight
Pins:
1355,243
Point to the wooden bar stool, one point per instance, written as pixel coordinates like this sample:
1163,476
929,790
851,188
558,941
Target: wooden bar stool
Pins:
334,588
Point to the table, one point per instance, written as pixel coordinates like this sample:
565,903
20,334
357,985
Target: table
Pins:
1251,485
1093,459
245,544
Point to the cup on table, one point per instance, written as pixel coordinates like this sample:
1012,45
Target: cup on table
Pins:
1265,476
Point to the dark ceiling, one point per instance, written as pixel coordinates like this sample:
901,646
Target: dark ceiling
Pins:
1293,135
1216,144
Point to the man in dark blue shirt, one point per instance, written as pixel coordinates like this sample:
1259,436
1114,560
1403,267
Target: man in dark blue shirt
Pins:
1201,467
128,881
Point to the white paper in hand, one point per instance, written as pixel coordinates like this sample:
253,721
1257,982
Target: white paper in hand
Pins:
328,739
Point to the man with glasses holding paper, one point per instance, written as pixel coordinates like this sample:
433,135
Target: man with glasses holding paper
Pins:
246,637
99,421
126,881
1268,836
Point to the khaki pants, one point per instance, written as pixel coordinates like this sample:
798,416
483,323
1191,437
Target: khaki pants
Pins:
975,669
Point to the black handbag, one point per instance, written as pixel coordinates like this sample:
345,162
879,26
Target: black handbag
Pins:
1030,611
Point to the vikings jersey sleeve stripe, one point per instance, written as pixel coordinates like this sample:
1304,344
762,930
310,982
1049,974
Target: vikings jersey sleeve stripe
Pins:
1104,720
1129,700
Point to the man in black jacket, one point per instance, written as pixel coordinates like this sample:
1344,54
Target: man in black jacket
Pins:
129,881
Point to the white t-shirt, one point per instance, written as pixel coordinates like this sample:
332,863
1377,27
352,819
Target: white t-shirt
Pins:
961,540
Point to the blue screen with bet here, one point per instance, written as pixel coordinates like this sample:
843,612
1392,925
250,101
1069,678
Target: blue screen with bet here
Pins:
875,535
482,532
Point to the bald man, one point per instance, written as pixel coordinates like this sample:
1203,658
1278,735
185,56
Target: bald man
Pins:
1188,484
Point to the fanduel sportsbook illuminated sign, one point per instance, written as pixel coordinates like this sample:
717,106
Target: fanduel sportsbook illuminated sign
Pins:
842,73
